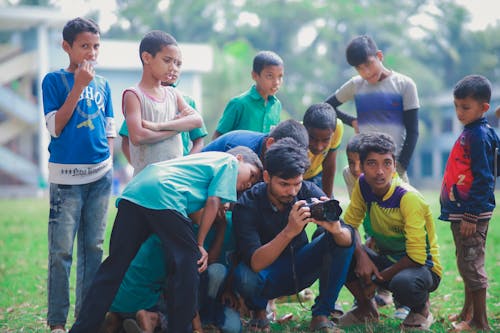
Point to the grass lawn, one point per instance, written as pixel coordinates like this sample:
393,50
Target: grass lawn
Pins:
23,274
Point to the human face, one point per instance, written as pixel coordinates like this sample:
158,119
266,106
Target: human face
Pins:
319,139
282,192
85,47
469,110
372,69
354,163
269,80
378,170
166,64
248,174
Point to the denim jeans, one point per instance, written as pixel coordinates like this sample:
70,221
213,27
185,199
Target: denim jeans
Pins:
75,210
322,258
212,311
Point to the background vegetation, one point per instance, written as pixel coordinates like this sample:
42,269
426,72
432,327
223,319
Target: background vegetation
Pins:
425,39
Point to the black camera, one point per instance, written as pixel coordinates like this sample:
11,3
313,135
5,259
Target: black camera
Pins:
329,210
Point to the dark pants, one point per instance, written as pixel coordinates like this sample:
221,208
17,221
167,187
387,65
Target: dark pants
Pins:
410,287
321,259
133,225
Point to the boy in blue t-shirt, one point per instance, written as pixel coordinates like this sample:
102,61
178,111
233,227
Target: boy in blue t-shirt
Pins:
158,201
79,117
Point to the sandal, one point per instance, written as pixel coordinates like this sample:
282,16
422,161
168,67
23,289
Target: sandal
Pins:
327,326
416,321
259,325
131,326
462,326
350,319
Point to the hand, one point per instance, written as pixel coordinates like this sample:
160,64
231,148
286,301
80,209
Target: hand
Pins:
355,126
230,299
467,229
203,261
298,218
369,290
84,74
150,125
365,269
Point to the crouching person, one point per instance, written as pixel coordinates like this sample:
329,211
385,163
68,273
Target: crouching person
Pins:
277,259
406,258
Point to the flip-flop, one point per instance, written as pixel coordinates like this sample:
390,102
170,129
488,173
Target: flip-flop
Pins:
259,325
131,326
416,321
326,327
350,319
462,326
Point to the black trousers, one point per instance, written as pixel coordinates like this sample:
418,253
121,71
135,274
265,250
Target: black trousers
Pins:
133,225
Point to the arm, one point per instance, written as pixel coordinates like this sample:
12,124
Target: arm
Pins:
346,118
84,74
139,135
207,218
111,146
197,146
268,253
216,135
410,119
126,148
329,168
187,119
220,224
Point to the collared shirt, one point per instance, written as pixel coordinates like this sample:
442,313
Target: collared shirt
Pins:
250,139
401,222
250,111
317,160
256,221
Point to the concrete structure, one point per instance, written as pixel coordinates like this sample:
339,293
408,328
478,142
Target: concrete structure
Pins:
31,47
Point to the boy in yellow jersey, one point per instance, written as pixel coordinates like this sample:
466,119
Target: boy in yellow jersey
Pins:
406,258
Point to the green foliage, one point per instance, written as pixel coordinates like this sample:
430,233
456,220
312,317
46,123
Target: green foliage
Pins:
23,273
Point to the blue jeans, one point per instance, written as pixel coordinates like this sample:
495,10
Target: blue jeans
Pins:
212,311
75,210
322,258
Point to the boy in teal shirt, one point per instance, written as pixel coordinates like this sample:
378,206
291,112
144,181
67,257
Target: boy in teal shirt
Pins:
158,201
257,109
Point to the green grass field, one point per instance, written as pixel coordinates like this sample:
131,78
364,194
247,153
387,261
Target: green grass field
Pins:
23,274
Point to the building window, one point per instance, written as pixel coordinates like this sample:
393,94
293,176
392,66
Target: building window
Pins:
426,159
447,124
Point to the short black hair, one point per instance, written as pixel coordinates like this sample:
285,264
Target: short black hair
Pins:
248,155
359,49
476,87
264,59
286,159
154,41
291,128
320,115
78,25
353,143
376,142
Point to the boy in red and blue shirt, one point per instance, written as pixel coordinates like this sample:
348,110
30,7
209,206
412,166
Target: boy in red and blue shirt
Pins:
467,196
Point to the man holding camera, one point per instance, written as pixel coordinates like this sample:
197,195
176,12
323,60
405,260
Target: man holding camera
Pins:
276,257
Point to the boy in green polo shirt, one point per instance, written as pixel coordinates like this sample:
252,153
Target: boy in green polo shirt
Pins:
257,109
